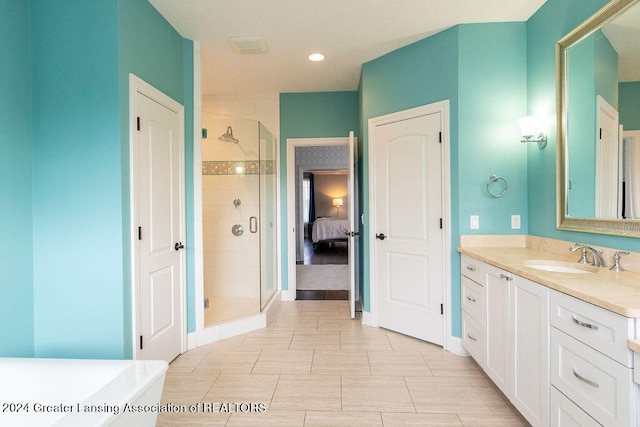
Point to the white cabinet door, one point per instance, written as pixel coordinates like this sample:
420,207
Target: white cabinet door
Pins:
565,413
497,328
530,372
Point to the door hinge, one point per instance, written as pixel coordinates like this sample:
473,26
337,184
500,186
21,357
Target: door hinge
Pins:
600,133
140,342
440,223
138,122
441,310
139,233
440,137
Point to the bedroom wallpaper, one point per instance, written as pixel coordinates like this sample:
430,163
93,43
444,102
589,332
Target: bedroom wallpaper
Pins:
324,157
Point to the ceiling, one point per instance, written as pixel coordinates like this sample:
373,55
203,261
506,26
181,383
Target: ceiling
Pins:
624,35
349,33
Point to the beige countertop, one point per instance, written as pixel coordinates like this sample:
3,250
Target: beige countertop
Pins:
617,292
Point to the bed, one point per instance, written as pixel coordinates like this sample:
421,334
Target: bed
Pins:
328,230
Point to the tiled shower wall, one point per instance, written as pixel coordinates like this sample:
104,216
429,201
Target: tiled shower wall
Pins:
231,264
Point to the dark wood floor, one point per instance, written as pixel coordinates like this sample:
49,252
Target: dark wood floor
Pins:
322,295
325,253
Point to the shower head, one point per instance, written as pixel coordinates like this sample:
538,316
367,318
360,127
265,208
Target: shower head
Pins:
228,136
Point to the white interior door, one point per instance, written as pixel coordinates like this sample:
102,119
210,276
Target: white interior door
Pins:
408,225
353,225
607,174
159,206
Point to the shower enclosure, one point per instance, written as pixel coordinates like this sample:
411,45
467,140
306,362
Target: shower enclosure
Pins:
239,217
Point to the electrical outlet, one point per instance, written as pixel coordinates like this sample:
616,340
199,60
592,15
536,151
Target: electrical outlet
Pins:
474,222
515,222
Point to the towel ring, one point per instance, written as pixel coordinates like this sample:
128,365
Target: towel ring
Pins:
493,179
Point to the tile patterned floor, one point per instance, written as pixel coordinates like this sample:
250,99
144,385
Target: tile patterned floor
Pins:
314,366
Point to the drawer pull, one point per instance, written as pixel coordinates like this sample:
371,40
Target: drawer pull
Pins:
471,299
584,324
505,277
471,337
585,380
471,268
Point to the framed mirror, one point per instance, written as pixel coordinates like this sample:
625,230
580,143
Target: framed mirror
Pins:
598,100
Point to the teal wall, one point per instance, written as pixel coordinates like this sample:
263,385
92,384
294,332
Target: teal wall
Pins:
16,268
628,105
77,188
310,115
70,149
581,118
481,70
550,23
592,71
606,68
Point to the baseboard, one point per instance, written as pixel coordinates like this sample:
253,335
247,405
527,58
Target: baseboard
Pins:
367,319
235,327
454,345
288,295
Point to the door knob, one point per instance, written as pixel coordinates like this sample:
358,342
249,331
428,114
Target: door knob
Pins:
381,236
178,246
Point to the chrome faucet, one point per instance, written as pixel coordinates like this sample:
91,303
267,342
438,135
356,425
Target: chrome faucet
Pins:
598,260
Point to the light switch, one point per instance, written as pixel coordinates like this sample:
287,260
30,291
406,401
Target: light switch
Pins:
515,222
474,222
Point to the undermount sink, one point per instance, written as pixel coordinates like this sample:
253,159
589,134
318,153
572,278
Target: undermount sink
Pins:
559,266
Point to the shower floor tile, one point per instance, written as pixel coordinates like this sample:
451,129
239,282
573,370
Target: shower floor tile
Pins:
223,309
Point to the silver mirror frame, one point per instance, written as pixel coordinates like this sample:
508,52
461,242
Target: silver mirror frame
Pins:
619,227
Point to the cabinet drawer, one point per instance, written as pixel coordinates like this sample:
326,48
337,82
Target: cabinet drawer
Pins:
565,413
473,339
473,299
472,268
601,329
601,386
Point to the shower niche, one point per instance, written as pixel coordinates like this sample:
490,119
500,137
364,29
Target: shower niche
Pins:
239,217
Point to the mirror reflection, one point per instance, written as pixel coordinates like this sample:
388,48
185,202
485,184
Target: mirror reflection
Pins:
603,121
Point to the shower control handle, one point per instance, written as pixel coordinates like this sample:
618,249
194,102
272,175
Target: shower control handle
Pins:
253,224
178,246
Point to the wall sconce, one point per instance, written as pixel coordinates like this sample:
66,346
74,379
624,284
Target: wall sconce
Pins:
337,203
530,126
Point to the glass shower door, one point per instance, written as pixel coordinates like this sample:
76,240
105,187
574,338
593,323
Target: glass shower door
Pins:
268,220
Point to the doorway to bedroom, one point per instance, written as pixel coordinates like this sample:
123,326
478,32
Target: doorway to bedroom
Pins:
323,271
323,241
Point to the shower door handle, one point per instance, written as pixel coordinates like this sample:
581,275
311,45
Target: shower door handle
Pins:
253,224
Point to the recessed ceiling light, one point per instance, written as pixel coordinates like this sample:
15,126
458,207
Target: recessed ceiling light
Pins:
315,57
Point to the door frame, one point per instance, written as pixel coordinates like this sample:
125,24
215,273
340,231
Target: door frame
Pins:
441,107
137,85
292,143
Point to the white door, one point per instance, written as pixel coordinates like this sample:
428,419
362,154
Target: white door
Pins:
607,175
353,225
408,226
158,200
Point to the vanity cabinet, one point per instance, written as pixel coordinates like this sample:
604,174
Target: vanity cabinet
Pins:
561,361
473,309
591,364
513,325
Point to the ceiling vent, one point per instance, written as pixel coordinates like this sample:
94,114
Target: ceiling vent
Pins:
249,45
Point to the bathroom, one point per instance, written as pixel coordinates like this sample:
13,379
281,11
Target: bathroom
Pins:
51,302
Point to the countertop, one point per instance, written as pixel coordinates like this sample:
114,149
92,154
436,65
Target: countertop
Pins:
617,292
